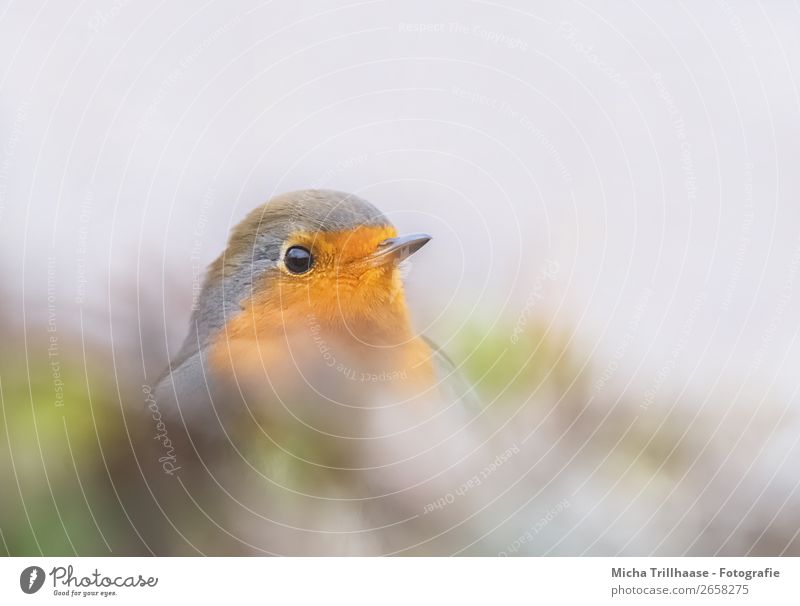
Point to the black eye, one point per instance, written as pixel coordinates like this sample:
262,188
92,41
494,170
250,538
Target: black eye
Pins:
298,260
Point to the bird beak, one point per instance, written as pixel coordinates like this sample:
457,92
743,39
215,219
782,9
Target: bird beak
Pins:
400,248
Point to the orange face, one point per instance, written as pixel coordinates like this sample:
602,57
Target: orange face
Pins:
346,287
349,296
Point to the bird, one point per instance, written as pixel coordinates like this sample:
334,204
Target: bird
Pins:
305,415
319,262
342,423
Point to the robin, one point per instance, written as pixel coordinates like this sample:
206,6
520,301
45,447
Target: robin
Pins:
309,281
302,324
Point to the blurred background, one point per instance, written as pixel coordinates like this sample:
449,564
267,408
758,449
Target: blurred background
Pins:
614,269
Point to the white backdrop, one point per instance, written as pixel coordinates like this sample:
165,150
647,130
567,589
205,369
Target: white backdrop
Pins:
649,149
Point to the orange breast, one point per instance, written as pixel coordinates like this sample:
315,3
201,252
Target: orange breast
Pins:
343,314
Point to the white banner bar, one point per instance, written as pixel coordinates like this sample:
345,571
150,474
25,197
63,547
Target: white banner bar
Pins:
402,581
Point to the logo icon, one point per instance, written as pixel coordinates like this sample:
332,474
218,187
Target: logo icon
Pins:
31,579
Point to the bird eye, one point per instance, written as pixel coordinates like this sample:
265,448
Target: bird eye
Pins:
298,260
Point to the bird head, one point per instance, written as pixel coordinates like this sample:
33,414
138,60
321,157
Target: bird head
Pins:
306,297
313,257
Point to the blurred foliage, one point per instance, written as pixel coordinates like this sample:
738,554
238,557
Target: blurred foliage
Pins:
52,468
84,477
508,361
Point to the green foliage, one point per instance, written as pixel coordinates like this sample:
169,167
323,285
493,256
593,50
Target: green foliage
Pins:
504,363
51,458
